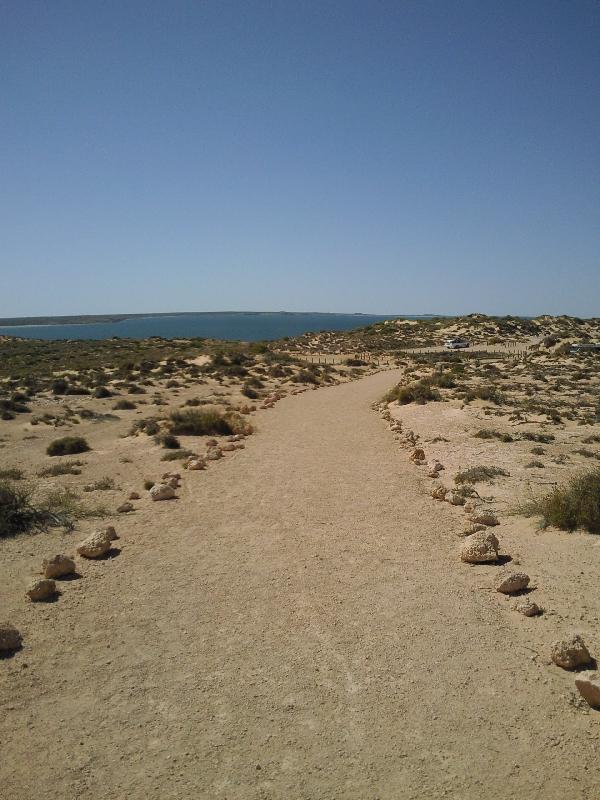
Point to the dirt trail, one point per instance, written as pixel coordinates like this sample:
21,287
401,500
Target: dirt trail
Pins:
295,626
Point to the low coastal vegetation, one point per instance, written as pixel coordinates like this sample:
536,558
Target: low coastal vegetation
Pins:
68,445
573,505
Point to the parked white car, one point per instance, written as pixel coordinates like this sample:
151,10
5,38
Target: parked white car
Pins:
456,344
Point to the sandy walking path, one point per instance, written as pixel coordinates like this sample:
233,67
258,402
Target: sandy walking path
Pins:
296,626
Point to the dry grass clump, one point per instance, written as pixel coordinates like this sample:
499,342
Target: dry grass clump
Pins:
61,468
480,474
205,422
573,505
11,474
68,445
491,434
20,514
123,405
102,485
419,392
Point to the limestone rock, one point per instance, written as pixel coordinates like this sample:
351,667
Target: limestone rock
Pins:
228,448
473,528
10,638
95,546
484,517
134,496
469,507
417,455
528,608
41,590
480,548
456,499
125,508
196,463
58,566
588,684
510,582
570,653
439,492
173,483
214,454
162,491
111,533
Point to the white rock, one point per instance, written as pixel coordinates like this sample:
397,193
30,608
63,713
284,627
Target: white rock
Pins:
480,548
58,566
41,589
570,653
196,463
588,684
95,546
509,582
162,491
528,608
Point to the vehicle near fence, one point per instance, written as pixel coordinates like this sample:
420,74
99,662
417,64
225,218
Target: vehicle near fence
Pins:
577,348
456,344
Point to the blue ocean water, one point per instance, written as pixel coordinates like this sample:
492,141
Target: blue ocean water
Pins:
249,327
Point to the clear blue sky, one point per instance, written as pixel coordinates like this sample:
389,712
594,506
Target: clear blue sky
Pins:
410,156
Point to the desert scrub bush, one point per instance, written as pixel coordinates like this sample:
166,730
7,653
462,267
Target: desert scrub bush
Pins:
534,465
249,392
101,391
542,438
487,433
11,474
102,485
20,514
149,426
13,405
583,451
61,468
480,474
419,392
305,376
206,422
168,441
355,362
573,505
17,515
123,405
593,439
537,451
68,445
443,380
177,455
488,393
59,386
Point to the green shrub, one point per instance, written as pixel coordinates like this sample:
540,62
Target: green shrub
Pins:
419,392
194,422
573,505
249,392
102,391
68,445
168,441
59,386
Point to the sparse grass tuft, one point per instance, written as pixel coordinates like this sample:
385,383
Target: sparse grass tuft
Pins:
491,434
207,422
419,392
11,474
480,474
61,468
